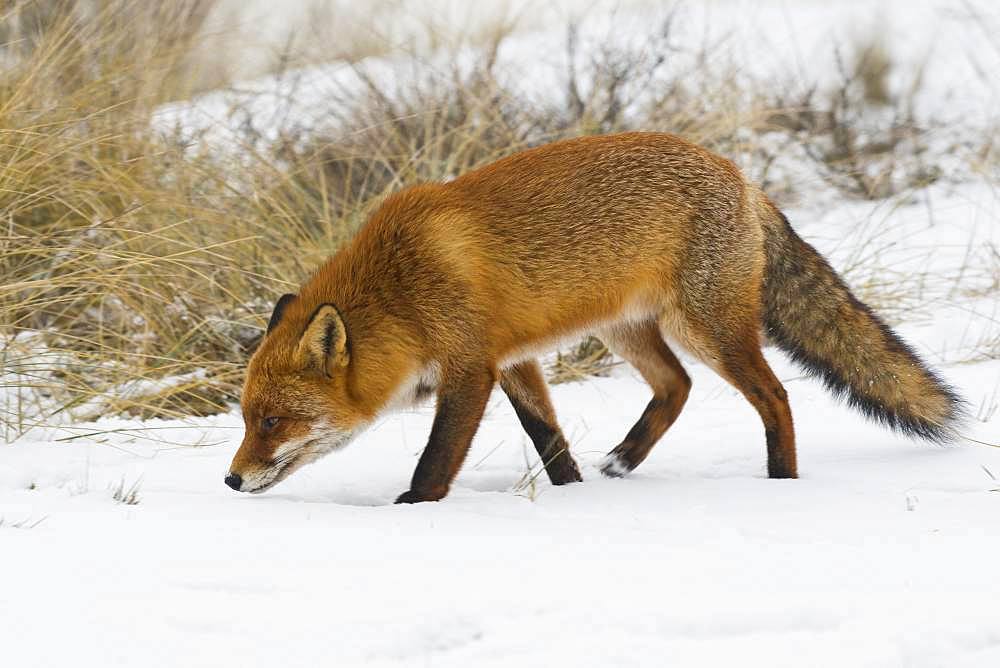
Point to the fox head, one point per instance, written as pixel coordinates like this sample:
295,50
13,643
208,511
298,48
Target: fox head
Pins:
296,403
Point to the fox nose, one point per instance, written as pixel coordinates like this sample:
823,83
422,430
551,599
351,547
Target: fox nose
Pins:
234,480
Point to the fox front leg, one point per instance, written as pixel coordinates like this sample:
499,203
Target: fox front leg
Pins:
461,402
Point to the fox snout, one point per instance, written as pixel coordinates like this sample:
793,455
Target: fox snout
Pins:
256,483
258,478
255,466
260,464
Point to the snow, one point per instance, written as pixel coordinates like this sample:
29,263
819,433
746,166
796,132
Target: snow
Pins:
883,553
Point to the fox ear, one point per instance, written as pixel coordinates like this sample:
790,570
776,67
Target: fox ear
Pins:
279,310
323,345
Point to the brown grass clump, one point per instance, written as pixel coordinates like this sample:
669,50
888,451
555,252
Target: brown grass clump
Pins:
588,358
124,259
865,140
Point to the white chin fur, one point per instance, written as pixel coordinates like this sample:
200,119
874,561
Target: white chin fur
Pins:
321,440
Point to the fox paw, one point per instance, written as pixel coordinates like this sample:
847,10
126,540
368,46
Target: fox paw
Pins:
414,497
614,466
562,470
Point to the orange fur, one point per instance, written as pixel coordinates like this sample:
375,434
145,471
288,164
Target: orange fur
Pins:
453,287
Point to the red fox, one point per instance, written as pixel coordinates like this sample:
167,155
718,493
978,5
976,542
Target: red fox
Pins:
640,238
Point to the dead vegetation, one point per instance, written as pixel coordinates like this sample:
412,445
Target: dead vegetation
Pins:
125,493
27,523
140,265
865,140
588,358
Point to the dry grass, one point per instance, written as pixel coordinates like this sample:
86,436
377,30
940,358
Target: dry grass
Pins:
27,523
588,358
125,255
139,270
125,493
866,141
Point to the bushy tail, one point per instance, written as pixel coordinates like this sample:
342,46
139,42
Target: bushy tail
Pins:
810,313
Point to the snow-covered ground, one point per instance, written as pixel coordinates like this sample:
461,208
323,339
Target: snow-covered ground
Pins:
884,553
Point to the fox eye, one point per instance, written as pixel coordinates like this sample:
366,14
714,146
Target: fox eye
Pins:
269,423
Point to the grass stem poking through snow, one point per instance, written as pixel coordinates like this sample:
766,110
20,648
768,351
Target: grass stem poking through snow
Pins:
126,494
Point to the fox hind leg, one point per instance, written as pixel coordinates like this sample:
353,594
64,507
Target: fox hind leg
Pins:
746,369
642,346
525,386
731,346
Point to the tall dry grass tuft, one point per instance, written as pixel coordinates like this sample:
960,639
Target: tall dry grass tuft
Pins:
864,138
117,248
